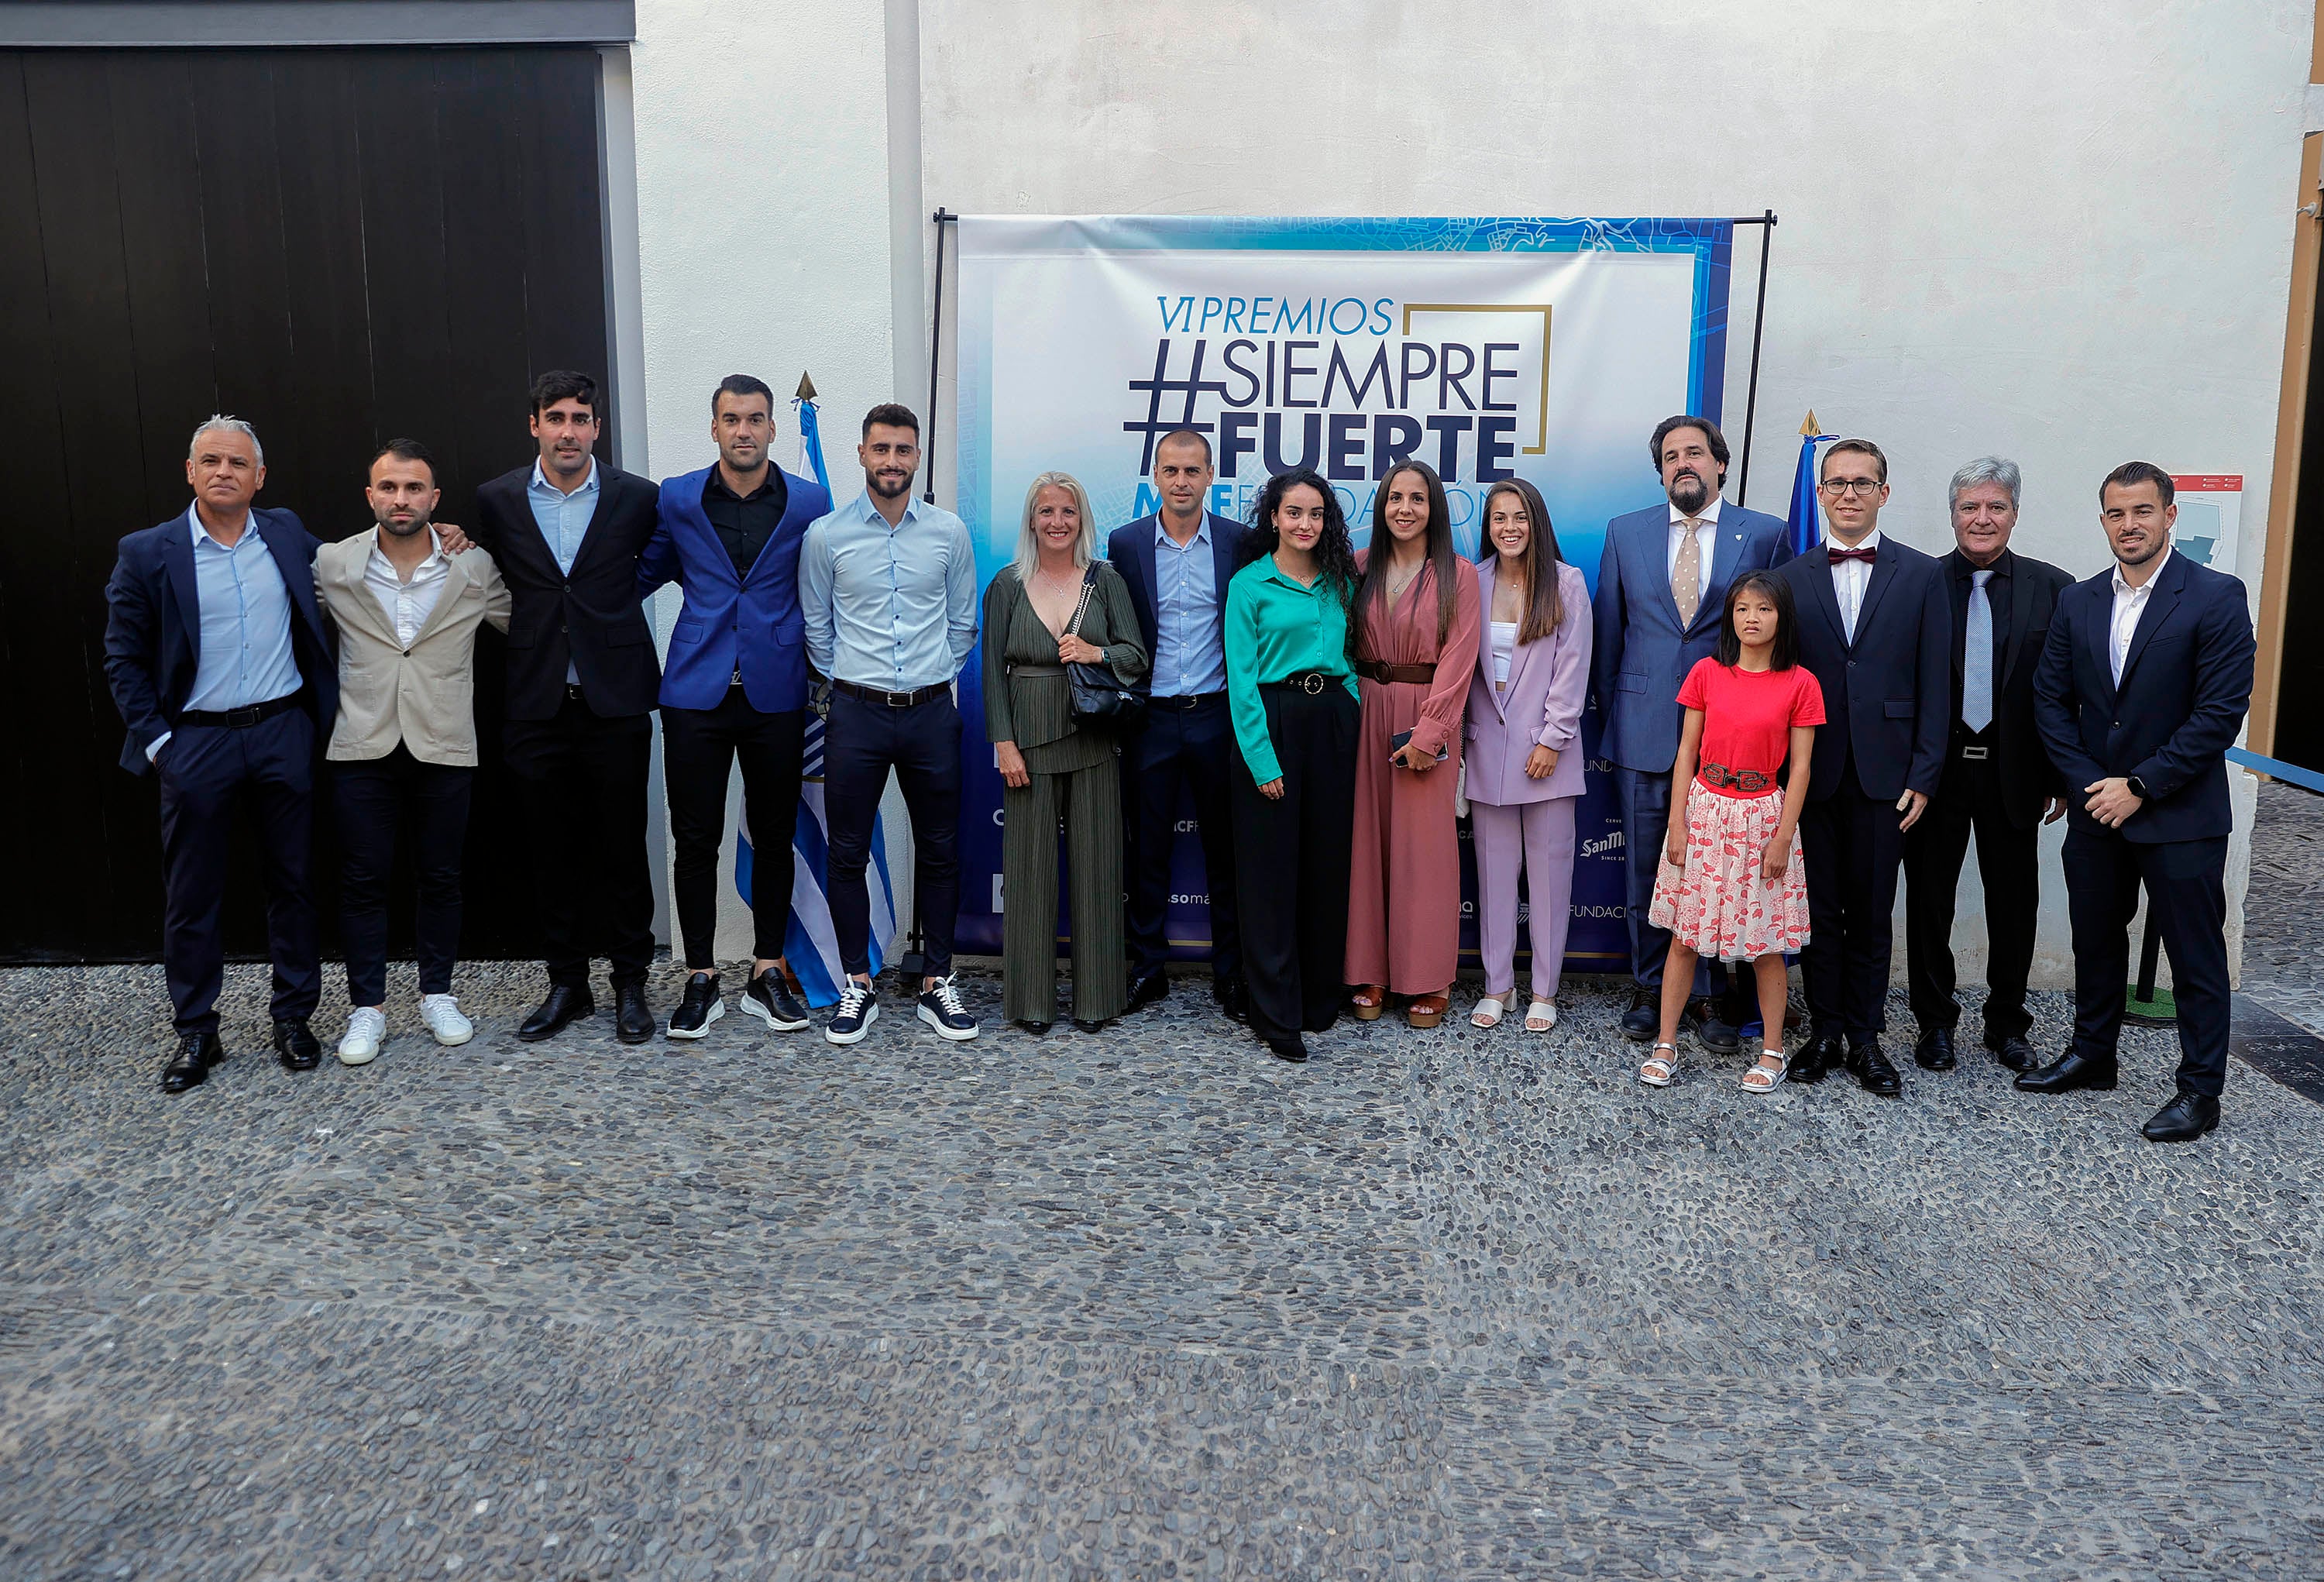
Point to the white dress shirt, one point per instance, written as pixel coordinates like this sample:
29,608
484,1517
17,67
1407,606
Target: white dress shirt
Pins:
2129,603
1850,579
1706,542
407,604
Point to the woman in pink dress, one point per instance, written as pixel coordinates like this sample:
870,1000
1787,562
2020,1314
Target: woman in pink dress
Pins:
1413,636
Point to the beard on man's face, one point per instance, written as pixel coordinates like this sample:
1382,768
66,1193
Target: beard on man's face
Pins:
1688,491
414,523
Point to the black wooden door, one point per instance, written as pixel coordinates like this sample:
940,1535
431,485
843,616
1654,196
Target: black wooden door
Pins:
340,246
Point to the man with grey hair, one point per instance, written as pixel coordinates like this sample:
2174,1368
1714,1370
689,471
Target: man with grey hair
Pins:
1997,784
222,669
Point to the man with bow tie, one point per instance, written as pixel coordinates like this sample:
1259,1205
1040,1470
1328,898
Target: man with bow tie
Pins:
1876,629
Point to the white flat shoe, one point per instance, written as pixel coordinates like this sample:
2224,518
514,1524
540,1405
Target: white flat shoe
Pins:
366,1031
1487,1013
441,1013
1541,1016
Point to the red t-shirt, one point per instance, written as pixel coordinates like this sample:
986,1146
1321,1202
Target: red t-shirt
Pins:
1748,717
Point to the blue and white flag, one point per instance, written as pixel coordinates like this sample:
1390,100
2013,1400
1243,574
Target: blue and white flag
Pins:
1805,525
809,944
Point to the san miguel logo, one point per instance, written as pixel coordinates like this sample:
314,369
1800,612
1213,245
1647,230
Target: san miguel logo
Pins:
1349,387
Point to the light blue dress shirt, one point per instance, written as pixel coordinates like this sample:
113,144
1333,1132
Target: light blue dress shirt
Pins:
564,521
1190,654
889,607
246,655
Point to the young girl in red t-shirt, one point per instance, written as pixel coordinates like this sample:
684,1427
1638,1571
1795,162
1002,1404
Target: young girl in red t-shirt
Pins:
1730,885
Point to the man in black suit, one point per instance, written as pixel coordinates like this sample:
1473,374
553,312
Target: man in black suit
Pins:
222,671
2142,686
567,534
1177,563
1875,630
1997,781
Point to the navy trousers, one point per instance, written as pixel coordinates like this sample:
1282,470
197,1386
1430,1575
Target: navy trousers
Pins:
861,742
1194,748
1853,847
2187,899
210,774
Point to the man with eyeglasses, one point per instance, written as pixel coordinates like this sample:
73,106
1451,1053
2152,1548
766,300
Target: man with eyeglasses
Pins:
1875,630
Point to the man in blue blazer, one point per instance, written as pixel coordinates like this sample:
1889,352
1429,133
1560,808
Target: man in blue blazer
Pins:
1662,592
1876,629
222,668
734,686
1177,562
2142,686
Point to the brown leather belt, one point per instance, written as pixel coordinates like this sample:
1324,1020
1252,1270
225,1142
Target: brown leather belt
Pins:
1371,670
1726,779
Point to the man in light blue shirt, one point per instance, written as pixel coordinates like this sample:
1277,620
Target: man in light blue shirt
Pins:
563,518
887,588
1177,563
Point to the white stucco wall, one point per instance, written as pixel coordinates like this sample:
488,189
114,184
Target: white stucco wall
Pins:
763,200
2046,230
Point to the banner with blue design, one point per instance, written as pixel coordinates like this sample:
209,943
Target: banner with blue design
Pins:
1547,349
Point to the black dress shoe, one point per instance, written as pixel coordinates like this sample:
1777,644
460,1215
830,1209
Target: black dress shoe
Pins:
1150,990
191,1067
1870,1066
1933,1052
2013,1052
2068,1072
1817,1058
1085,1024
1233,999
1710,1028
1293,1049
1643,1022
564,1005
1037,1029
295,1045
633,1019
2183,1119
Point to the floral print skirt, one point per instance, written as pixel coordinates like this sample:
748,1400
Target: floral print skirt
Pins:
1719,905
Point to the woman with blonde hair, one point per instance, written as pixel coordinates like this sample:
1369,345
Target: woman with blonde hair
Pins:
1058,604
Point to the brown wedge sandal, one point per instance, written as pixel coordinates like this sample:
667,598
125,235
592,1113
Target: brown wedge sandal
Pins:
1427,1010
1368,999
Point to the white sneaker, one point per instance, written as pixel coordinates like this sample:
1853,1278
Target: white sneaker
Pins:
366,1031
441,1013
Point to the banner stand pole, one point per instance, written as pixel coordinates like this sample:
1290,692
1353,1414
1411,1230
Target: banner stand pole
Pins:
913,967
1758,319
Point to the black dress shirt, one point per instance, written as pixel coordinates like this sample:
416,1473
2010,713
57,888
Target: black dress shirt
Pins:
1961,569
745,522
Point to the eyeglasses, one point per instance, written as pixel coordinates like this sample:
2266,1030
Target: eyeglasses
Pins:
1849,485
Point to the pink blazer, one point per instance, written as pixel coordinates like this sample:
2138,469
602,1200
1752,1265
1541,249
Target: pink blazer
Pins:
1542,705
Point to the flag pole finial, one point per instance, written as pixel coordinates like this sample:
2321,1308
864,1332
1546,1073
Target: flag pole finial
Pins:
1808,425
806,390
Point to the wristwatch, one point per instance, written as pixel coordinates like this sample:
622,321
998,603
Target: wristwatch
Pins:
2138,788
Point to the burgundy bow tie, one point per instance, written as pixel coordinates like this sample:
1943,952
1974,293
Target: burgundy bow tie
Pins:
1864,555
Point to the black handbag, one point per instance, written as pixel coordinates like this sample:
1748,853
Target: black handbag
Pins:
1100,696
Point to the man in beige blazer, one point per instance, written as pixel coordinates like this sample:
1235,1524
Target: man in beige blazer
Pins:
403,751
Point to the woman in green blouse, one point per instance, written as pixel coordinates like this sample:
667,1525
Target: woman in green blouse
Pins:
1292,695
1049,766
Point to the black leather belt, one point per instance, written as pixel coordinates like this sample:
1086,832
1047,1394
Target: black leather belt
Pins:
894,699
235,719
1189,702
1311,683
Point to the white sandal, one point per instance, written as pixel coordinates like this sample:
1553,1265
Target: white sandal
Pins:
1655,1071
1765,1078
1487,1013
1541,1016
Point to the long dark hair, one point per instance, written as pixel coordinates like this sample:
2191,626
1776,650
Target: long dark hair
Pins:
1544,608
1335,552
1437,544
1784,652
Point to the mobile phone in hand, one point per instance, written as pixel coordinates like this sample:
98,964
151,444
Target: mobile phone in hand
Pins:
1395,743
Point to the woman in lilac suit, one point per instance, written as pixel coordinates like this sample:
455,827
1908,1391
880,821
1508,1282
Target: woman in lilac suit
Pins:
1523,745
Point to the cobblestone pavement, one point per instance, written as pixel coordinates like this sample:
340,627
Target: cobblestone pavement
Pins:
1141,1304
2283,917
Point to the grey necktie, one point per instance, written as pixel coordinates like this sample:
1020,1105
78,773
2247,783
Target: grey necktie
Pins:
1977,656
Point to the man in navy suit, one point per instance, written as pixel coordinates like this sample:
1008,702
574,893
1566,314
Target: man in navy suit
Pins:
1662,592
1177,562
222,669
734,686
1875,630
2142,686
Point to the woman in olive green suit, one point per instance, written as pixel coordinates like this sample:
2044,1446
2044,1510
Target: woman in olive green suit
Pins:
1049,766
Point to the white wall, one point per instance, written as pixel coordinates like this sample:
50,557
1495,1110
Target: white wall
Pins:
764,199
2053,230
